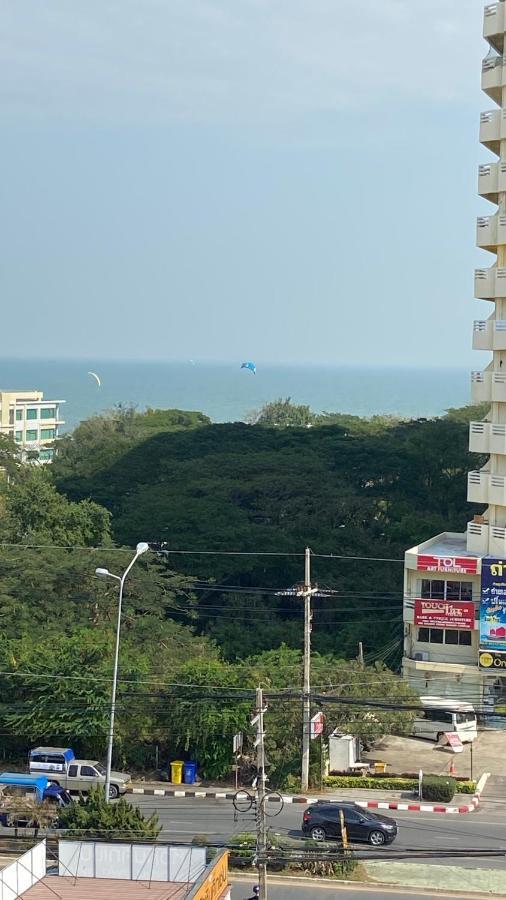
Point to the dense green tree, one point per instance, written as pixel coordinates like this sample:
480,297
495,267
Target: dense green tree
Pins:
92,817
34,511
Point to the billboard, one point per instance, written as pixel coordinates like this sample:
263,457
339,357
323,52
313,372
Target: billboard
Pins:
492,659
456,565
493,604
444,614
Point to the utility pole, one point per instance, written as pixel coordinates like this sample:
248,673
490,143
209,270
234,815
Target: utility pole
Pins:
306,717
261,843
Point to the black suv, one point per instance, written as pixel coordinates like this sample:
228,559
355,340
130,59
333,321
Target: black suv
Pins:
322,821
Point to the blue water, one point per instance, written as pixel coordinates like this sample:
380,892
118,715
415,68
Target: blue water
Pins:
226,393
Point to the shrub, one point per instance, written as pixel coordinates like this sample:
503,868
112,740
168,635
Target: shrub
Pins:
440,788
371,784
92,817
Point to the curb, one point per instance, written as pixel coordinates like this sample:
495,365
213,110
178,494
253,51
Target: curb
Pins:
307,801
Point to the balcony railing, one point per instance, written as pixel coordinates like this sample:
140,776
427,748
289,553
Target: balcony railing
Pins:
478,487
494,25
484,437
491,231
485,539
493,129
491,180
489,334
492,75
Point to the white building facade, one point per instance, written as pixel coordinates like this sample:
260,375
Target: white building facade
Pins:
33,423
446,650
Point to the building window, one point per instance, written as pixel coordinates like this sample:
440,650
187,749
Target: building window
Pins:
19,415
31,434
47,434
31,413
46,455
448,636
436,589
18,436
48,412
11,417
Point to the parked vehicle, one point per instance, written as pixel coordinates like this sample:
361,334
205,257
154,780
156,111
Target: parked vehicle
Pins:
15,785
323,820
440,715
61,766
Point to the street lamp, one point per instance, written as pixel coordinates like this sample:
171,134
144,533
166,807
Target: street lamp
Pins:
104,573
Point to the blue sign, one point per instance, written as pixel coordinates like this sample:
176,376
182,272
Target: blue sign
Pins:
493,604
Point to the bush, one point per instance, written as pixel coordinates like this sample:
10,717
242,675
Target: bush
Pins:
92,817
440,788
371,784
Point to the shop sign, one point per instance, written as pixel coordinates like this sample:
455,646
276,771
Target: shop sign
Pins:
493,660
444,614
214,886
454,741
493,604
455,565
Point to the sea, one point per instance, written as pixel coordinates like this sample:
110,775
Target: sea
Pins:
227,393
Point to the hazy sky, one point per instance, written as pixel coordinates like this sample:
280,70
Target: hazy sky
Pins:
221,179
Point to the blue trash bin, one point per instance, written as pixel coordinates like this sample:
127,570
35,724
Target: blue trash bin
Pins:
190,772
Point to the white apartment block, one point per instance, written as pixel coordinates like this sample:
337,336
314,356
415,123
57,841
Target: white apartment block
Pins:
447,650
34,423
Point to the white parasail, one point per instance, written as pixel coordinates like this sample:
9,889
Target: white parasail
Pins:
95,376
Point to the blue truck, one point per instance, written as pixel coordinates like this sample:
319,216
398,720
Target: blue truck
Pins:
15,784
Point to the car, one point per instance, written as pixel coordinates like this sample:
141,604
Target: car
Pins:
323,820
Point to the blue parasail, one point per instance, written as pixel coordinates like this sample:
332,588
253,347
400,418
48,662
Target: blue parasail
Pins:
249,365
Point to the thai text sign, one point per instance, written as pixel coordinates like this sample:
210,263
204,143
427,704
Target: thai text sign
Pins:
215,884
444,614
493,604
457,565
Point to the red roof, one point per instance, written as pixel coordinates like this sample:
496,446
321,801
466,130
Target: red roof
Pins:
68,888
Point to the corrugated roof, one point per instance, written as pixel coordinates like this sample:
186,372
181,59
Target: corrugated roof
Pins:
68,888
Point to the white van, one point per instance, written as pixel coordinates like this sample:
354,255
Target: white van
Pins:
441,715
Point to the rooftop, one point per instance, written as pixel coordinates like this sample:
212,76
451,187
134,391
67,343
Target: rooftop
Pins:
447,546
65,887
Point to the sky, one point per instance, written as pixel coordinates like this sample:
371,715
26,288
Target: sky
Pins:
278,180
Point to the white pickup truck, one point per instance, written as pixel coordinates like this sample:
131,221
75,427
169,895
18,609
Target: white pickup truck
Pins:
61,767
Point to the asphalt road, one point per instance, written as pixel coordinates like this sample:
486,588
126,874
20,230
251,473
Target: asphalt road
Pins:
294,891
183,818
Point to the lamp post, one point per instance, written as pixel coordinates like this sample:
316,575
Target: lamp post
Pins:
104,573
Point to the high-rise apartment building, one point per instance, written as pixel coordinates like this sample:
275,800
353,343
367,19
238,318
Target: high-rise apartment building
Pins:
32,422
455,592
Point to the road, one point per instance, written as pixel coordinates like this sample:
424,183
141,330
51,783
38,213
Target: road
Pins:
183,818
294,891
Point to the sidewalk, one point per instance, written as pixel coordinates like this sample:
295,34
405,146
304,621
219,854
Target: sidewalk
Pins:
374,800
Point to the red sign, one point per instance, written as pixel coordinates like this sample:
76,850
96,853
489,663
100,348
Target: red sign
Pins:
454,741
317,723
457,565
444,614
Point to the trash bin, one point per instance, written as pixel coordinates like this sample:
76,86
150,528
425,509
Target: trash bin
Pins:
176,771
380,768
190,772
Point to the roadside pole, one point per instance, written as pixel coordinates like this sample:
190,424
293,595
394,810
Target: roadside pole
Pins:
306,718
261,842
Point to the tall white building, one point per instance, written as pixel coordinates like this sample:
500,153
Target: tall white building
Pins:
34,423
445,577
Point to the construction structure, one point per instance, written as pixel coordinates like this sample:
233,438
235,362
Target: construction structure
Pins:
454,589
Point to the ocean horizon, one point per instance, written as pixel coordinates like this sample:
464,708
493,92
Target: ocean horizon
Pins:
227,393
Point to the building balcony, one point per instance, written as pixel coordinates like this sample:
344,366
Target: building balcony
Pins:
491,180
488,387
491,231
490,283
489,334
494,25
493,129
479,437
492,77
485,437
486,540
497,490
478,487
